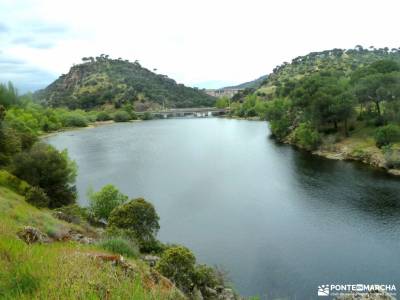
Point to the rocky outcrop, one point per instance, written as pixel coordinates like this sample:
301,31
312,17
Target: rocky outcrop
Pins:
151,260
32,235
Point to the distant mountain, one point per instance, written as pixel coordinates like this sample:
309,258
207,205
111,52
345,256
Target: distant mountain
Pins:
254,84
104,81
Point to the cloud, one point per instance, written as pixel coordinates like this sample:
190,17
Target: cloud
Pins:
30,41
24,75
3,28
194,42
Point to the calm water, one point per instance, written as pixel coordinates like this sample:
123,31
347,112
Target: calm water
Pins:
279,220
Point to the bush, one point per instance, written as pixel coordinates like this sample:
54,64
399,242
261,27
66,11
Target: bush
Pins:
73,119
104,201
392,157
205,276
45,167
122,116
103,116
137,216
387,135
146,116
37,197
120,246
178,264
306,136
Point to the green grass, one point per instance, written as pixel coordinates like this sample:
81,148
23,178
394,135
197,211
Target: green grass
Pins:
62,270
121,246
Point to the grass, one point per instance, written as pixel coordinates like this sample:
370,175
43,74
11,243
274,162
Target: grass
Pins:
63,270
121,246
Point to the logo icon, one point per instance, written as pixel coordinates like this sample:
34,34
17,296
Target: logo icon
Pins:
323,290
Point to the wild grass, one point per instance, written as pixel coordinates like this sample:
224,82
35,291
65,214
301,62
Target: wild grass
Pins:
63,270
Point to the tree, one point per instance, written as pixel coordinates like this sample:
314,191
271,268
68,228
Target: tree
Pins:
104,201
137,216
45,167
387,135
178,264
222,102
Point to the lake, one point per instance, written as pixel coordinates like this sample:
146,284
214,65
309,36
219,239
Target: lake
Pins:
279,220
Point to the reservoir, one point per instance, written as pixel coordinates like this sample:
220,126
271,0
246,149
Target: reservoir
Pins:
280,221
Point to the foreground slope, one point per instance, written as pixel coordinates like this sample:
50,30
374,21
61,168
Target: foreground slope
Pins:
102,80
64,269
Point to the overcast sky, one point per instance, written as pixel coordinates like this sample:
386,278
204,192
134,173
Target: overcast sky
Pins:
204,43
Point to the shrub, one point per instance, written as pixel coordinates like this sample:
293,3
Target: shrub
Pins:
205,276
392,157
45,167
306,136
104,201
120,246
122,116
146,116
138,216
103,116
387,135
37,197
73,119
178,264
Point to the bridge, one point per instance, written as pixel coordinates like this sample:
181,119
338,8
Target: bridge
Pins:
200,112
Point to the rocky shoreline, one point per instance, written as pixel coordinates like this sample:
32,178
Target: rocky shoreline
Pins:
346,150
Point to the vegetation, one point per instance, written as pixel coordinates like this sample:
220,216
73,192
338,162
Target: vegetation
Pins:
322,98
103,81
103,202
119,245
64,270
177,263
45,167
387,135
122,116
137,216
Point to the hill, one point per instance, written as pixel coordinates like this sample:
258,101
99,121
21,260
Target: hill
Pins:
339,103
104,81
344,61
254,84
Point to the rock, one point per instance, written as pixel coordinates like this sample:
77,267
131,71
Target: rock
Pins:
211,293
67,218
227,294
151,260
80,238
197,294
31,235
394,172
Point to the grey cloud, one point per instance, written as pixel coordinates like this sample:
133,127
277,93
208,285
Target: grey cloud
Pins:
25,77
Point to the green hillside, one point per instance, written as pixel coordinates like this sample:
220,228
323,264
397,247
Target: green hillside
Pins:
342,104
103,81
63,268
344,61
